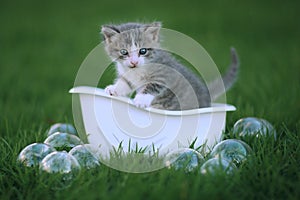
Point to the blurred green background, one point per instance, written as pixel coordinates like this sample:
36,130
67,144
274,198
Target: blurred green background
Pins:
43,43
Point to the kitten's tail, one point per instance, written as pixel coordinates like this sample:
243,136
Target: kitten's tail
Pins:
228,78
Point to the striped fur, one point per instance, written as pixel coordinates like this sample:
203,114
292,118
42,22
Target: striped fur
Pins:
157,72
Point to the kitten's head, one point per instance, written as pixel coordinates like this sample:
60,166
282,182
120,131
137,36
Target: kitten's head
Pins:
131,44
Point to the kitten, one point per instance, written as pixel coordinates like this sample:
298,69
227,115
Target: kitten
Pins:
160,81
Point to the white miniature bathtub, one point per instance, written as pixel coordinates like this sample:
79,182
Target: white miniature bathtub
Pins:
109,120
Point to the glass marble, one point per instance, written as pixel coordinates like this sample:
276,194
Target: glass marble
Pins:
63,128
86,155
252,126
183,159
32,155
233,150
63,141
60,169
215,166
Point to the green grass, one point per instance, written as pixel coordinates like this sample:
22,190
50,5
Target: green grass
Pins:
43,44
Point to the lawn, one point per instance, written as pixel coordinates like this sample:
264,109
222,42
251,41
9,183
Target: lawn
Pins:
43,44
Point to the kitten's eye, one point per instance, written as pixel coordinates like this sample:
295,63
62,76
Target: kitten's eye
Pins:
124,52
143,51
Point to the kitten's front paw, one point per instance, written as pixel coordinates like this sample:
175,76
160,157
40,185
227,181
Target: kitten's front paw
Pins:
143,100
111,90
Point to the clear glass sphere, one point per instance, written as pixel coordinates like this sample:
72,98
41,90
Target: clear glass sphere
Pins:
59,169
63,128
183,159
63,141
33,154
215,166
233,150
252,126
86,155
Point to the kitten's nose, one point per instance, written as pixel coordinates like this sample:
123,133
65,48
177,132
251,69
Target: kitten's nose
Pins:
134,63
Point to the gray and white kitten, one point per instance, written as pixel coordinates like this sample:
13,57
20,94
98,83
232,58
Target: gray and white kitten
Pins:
160,81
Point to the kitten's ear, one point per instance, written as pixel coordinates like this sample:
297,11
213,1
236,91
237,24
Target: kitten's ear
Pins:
108,32
153,30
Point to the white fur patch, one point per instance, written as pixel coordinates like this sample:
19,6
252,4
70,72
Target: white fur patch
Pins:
120,69
143,100
111,90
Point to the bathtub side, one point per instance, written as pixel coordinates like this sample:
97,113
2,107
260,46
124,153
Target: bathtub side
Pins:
93,133
101,115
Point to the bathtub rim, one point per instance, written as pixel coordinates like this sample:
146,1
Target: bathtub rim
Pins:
94,91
